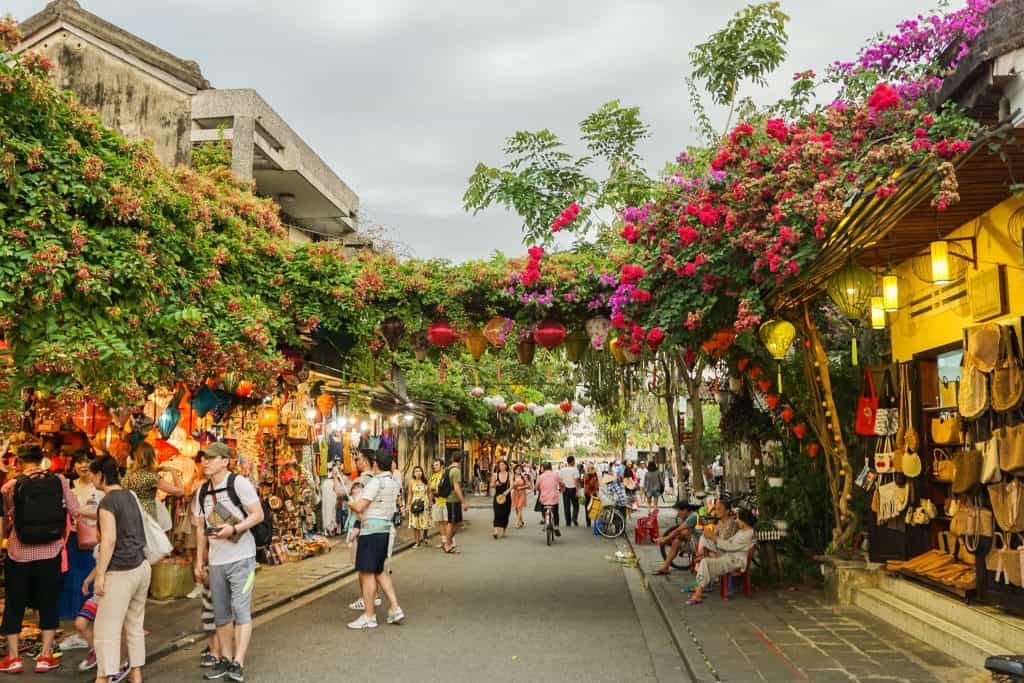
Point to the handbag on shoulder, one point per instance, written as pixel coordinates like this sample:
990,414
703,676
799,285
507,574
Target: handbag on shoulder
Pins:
867,406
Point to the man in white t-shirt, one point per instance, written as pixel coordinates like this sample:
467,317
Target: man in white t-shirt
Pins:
232,556
376,506
570,477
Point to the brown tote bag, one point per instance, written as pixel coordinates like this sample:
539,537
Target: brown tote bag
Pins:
1011,448
1008,376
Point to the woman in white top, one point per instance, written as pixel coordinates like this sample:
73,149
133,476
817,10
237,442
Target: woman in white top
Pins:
731,555
80,559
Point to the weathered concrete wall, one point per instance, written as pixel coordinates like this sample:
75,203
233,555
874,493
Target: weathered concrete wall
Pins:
127,99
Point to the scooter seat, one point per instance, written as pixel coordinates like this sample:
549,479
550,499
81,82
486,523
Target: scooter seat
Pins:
1007,665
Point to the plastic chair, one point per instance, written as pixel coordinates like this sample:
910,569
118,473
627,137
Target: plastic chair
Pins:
745,575
646,529
598,525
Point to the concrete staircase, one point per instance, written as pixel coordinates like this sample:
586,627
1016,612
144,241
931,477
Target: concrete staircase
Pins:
966,633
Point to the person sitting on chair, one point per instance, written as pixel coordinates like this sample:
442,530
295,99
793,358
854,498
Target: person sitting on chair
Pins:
680,535
731,556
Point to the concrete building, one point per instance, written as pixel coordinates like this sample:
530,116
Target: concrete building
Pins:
143,91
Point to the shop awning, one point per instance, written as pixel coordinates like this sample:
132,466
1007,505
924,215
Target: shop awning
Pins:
879,231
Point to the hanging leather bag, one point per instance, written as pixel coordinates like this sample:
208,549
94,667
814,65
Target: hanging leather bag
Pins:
867,406
990,472
1003,560
983,346
943,467
887,414
1008,376
1007,498
968,470
972,396
1011,448
884,456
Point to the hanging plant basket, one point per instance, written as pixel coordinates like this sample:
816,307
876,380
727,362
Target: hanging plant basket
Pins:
525,351
575,346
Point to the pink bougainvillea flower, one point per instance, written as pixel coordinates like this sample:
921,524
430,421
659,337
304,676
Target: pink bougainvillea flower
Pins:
655,337
884,97
687,234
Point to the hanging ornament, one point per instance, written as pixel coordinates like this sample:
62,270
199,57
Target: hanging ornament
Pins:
764,384
813,449
91,418
477,392
778,336
269,417
597,329
742,363
800,430
549,334
575,346
787,414
772,401
168,420
525,351
754,372
615,347
565,406
519,407
392,329
245,388
441,334
204,401
476,342
229,382
325,404
851,288
495,331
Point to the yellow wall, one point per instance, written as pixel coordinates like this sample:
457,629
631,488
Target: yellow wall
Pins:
942,327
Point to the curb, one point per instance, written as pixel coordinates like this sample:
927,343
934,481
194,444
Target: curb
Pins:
693,658
194,637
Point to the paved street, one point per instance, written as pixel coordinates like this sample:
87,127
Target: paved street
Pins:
512,609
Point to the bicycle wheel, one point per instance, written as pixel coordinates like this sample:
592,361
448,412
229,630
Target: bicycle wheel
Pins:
682,560
614,524
551,534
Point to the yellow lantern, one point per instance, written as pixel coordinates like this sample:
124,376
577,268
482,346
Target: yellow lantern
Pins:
476,342
851,288
617,351
325,404
877,313
778,336
890,293
268,418
940,262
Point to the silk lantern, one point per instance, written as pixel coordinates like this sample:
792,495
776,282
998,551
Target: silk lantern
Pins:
518,407
764,384
575,346
495,330
597,329
91,419
565,406
787,414
772,401
204,401
325,404
441,334
269,418
800,430
778,336
851,288
245,388
168,420
525,351
549,334
392,329
476,342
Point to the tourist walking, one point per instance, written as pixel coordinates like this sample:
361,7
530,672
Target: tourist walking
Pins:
654,486
570,477
641,485
591,485
439,508
418,504
122,576
230,562
376,506
520,484
455,500
501,481
144,480
36,506
82,539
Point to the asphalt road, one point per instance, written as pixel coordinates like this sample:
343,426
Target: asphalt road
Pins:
506,610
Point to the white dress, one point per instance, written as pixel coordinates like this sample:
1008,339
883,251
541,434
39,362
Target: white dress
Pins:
328,503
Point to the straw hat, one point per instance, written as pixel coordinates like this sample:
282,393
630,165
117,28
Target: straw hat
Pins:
607,478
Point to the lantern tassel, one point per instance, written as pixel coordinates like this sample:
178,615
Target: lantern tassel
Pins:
778,380
853,348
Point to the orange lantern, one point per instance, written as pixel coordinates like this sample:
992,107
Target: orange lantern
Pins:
800,430
787,414
91,419
325,404
494,331
476,342
772,401
268,418
245,388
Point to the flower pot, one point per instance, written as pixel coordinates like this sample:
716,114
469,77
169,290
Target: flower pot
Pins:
576,346
525,351
775,482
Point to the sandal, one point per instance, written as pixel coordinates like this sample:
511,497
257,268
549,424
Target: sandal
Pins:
662,572
693,601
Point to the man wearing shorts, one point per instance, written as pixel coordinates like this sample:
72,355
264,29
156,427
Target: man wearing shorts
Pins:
456,501
231,568
376,506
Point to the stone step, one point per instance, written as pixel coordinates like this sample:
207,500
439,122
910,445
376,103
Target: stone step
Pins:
946,636
989,623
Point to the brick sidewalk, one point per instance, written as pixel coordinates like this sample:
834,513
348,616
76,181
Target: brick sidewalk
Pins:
789,635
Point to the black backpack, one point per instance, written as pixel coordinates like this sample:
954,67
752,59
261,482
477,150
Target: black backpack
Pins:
263,532
40,513
444,487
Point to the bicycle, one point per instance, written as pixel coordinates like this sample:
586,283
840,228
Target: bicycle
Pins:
549,525
684,559
612,522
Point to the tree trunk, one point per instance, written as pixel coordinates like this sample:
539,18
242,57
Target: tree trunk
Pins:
695,450
671,397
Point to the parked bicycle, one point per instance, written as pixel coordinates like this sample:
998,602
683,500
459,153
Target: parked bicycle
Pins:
612,522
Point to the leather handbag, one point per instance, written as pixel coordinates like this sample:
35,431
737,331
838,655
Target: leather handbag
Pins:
887,413
972,521
968,470
1011,448
945,430
1008,376
943,467
884,456
1007,498
1003,560
867,406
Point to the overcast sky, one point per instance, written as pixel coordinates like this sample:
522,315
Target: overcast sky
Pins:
403,97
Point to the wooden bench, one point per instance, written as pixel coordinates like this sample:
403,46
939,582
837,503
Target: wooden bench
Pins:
745,574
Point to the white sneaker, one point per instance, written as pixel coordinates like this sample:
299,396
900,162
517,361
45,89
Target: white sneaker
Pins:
363,622
195,592
73,642
360,606
396,617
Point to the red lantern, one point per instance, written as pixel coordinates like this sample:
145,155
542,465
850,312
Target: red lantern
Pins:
441,334
755,371
244,389
764,384
813,449
91,419
787,414
549,334
565,406
800,431
519,407
742,363
772,401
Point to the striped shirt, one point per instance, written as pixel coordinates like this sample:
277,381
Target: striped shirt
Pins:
23,552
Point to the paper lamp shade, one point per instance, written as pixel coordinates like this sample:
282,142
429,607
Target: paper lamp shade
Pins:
441,334
850,288
777,336
495,331
476,342
549,334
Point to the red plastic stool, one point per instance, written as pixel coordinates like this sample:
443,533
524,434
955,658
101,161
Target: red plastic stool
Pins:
646,529
745,575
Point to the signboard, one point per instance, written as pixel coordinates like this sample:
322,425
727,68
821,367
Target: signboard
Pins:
452,442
